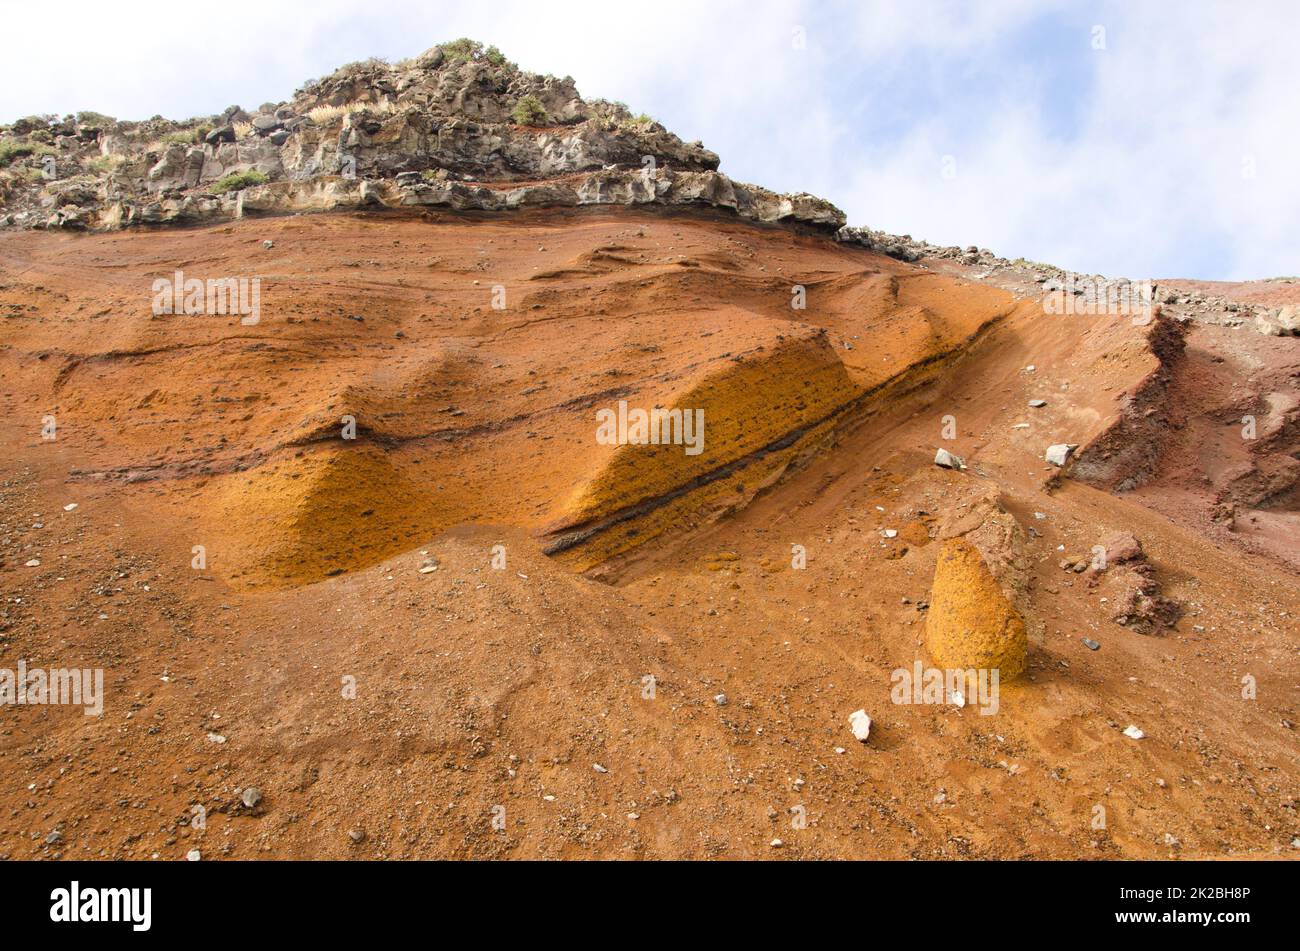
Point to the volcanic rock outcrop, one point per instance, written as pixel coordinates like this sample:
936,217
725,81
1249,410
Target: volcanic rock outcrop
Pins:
457,127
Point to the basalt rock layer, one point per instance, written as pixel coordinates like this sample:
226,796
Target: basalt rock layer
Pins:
457,127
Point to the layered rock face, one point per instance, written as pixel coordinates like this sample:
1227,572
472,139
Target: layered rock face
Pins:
458,126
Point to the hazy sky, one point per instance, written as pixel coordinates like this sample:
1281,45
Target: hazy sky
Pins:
1147,139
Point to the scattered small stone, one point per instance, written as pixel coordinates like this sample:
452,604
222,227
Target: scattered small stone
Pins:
720,699
34,563
946,460
598,768
193,855
54,838
70,506
216,738
429,565
1133,733
860,724
251,797
357,835
1059,454
1038,404
1091,644
268,244
776,843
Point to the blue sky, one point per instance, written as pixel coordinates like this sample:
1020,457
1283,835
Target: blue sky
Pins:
1145,139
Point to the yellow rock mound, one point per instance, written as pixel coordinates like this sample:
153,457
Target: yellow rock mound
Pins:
971,623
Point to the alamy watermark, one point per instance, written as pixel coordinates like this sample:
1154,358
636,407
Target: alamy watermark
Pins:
55,686
1077,295
214,297
656,427
939,686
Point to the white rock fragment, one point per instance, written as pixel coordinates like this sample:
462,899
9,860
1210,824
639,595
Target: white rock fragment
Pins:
1059,454
720,699
193,855
890,532
34,563
860,724
946,460
216,738
776,843
70,506
598,768
1133,733
1038,404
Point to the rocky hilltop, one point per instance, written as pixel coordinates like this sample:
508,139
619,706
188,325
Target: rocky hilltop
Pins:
458,127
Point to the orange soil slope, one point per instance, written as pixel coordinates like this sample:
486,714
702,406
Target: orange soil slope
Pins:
481,685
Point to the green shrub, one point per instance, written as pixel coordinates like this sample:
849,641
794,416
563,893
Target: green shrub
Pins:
496,57
372,63
97,119
529,111
462,50
105,163
238,181
11,149
465,50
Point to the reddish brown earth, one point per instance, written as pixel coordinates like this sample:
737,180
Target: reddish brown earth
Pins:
479,687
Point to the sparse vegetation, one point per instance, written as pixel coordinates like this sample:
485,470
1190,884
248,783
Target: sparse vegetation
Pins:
465,50
238,181
324,115
106,163
371,63
462,50
34,124
529,111
97,119
11,149
242,129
